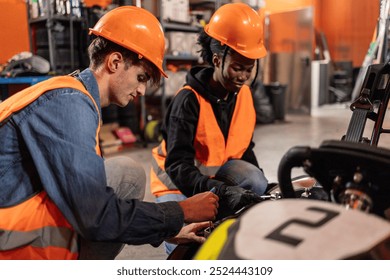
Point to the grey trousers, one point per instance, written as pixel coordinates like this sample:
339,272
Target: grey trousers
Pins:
128,179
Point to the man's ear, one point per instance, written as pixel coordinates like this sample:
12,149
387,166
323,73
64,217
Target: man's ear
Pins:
113,61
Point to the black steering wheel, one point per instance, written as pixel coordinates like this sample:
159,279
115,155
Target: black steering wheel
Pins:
341,168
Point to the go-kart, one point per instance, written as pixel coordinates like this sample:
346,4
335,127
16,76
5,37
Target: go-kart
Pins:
339,210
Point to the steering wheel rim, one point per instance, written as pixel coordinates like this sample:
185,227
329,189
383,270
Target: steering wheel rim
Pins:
343,159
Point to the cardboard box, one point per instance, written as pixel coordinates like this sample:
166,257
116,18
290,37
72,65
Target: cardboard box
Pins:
109,142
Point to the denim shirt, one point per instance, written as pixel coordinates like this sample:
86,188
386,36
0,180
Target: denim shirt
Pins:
50,144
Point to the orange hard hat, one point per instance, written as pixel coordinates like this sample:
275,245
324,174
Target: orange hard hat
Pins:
135,29
240,27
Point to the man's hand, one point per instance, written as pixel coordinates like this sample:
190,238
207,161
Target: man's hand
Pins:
187,234
200,207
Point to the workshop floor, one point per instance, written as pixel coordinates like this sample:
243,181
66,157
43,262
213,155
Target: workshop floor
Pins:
272,142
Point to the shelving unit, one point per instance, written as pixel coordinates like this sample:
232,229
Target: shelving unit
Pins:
190,57
212,4
56,37
150,103
181,34
177,59
5,83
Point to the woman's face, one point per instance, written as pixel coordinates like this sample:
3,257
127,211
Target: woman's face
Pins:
236,71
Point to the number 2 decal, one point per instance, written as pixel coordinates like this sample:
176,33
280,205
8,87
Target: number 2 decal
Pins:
279,236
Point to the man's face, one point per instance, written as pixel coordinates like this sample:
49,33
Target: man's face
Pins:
127,83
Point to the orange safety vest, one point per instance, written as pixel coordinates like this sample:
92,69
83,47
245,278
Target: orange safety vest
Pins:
36,228
211,150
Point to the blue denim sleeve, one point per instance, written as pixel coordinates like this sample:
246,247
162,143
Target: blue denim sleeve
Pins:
59,131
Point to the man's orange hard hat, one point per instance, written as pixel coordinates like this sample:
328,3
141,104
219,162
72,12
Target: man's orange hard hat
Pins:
136,29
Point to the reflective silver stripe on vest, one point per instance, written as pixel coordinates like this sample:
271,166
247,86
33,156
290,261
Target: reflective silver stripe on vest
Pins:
160,151
206,170
41,238
166,180
163,176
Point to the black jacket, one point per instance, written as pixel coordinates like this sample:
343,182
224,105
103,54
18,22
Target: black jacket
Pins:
179,129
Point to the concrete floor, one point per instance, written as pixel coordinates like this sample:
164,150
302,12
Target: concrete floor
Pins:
272,142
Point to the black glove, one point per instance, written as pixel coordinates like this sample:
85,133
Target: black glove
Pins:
233,198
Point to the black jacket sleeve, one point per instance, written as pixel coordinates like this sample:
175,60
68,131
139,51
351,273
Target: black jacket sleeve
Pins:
179,133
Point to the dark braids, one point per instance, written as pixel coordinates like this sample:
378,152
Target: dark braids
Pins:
256,73
210,46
